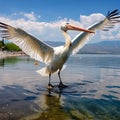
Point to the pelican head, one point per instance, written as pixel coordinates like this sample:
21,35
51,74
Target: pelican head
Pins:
67,26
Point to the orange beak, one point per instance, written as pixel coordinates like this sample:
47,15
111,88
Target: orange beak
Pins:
71,27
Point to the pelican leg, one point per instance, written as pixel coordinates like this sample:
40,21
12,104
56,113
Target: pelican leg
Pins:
50,86
61,85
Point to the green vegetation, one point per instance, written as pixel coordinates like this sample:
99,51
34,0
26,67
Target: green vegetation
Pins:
0,44
9,47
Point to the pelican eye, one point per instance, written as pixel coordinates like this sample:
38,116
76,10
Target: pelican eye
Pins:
64,27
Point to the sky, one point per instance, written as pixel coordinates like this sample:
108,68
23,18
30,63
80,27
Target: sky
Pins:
42,18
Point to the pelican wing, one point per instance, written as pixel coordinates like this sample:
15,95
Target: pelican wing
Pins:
81,39
30,45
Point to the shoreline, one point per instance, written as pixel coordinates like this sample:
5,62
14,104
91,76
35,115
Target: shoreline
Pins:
5,54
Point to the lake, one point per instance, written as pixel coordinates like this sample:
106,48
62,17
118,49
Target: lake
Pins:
93,91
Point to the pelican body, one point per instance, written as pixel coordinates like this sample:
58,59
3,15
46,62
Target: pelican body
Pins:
55,57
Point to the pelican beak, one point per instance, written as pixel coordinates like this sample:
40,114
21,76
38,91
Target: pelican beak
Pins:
71,27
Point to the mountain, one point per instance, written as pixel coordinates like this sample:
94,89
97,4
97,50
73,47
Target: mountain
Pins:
104,47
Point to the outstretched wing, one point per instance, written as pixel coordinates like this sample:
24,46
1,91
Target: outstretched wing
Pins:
81,39
30,45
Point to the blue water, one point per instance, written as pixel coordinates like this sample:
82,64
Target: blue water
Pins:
93,91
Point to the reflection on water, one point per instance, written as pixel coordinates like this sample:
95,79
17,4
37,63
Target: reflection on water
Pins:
93,91
2,62
54,109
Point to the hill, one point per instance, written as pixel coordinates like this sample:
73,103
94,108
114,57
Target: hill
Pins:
104,47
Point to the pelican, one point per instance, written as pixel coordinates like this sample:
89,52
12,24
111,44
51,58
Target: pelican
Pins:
55,57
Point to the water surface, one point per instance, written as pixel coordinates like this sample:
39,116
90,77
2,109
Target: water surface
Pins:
93,91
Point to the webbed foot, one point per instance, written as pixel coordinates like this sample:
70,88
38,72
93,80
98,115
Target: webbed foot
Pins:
61,85
50,86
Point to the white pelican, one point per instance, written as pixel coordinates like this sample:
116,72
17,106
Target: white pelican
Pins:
55,57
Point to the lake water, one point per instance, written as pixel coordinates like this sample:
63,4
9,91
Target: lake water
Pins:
93,91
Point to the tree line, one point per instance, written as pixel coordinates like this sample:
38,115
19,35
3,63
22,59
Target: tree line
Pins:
8,46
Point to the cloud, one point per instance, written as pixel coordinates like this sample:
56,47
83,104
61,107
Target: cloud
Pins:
110,35
50,31
91,19
31,16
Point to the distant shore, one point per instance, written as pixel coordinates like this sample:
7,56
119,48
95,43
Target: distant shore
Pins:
4,54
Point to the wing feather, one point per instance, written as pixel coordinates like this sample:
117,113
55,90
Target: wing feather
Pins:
81,39
30,45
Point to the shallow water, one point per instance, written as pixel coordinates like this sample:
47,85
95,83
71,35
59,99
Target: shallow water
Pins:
93,91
